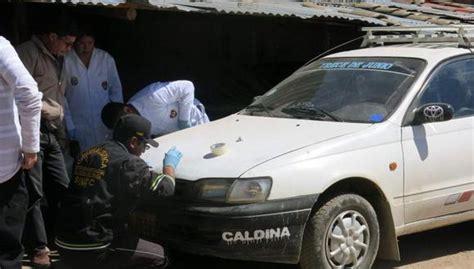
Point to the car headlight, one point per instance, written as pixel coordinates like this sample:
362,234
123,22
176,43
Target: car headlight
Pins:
214,189
245,190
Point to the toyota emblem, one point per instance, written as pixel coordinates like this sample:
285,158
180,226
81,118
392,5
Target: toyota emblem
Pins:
433,112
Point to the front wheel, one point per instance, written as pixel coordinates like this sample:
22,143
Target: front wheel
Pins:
343,233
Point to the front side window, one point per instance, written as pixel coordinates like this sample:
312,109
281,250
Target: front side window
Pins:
452,84
341,89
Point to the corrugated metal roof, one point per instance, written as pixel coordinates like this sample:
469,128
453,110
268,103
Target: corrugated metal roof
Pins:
378,12
415,15
450,6
278,9
304,10
390,19
429,10
94,2
370,12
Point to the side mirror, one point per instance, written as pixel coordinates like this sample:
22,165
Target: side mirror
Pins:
433,112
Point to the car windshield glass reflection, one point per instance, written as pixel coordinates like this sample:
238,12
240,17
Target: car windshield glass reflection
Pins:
341,89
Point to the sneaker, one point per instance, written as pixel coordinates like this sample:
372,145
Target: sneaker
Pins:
40,259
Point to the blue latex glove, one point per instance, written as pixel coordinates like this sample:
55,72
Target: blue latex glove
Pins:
172,157
183,124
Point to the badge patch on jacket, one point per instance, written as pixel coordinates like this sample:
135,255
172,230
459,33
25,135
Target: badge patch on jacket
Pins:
91,167
173,113
74,81
104,85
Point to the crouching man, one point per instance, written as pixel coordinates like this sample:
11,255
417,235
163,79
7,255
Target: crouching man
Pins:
107,183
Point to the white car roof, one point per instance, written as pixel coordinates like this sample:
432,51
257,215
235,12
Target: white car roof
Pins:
432,53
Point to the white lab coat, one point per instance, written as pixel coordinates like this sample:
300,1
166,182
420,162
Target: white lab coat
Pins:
164,103
88,90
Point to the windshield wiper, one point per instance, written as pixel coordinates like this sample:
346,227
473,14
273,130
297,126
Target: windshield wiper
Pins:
259,108
309,111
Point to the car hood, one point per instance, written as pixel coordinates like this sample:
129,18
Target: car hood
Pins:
250,141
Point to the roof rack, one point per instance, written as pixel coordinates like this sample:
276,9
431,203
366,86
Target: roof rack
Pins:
463,35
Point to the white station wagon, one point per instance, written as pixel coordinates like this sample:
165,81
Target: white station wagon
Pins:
330,166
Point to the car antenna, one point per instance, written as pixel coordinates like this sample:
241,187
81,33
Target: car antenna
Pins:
329,50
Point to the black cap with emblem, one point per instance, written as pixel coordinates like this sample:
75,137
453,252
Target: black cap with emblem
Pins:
134,125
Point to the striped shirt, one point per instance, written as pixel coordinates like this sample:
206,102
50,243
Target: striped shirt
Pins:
20,101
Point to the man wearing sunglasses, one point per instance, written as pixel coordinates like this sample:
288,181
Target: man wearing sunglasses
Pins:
108,181
43,58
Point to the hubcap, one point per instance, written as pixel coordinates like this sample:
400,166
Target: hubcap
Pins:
347,240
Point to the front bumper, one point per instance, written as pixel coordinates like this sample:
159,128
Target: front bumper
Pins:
271,231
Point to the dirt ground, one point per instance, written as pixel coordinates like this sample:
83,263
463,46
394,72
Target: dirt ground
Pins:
445,248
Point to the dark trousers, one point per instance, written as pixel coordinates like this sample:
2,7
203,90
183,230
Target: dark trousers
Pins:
127,253
48,176
13,204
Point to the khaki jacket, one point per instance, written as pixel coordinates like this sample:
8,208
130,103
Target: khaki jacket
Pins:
47,70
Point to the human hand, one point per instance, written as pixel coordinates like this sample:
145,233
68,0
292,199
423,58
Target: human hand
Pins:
172,158
29,160
52,110
183,124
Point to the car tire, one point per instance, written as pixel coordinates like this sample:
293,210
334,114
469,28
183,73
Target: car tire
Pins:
345,226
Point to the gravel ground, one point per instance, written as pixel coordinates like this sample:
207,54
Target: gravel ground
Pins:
445,248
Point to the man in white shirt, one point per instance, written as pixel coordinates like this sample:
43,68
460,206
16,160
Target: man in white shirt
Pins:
20,100
169,106
92,82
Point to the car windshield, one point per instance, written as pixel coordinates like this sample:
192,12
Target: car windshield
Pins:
341,89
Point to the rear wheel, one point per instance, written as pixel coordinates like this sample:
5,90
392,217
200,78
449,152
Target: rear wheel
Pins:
343,233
